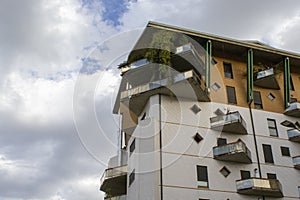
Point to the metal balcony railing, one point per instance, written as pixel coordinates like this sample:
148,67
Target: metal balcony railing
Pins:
259,187
231,122
296,162
294,135
114,181
293,110
234,152
123,197
266,79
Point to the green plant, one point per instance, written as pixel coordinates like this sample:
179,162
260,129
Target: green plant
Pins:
162,45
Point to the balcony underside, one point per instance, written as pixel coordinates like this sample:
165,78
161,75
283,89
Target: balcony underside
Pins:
293,110
261,192
115,186
234,127
184,85
240,157
268,82
266,79
260,187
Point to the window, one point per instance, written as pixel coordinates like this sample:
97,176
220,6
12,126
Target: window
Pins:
144,116
131,177
271,176
299,190
227,70
291,84
285,151
197,137
272,127
132,146
245,175
257,100
202,177
225,172
221,141
268,153
231,95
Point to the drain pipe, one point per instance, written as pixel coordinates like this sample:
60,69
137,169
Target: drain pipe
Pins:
250,100
160,149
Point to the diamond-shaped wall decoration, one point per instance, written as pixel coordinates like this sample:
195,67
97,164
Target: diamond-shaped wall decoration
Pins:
195,109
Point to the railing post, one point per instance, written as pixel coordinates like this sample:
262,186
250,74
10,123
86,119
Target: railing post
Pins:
287,83
250,76
208,64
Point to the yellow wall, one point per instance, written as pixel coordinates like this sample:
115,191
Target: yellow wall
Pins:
239,81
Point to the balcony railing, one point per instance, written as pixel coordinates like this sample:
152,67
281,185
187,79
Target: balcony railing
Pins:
259,187
190,54
293,110
266,79
175,85
114,181
123,197
233,152
294,135
231,122
296,162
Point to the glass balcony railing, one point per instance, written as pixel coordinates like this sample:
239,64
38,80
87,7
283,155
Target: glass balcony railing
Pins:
296,162
186,85
231,122
114,181
259,187
190,54
266,79
234,152
294,135
293,110
123,197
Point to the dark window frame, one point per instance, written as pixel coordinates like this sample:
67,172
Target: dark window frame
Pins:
245,174
258,103
268,155
131,177
231,95
285,151
221,141
274,128
271,176
202,176
228,72
132,147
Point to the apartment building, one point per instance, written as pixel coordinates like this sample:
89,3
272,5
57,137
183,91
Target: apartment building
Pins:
206,117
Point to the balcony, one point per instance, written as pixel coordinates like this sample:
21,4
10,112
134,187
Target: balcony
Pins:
266,79
114,181
293,110
296,162
123,197
294,135
259,187
233,152
185,85
231,122
186,56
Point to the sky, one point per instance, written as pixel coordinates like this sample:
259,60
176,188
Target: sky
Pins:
59,78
